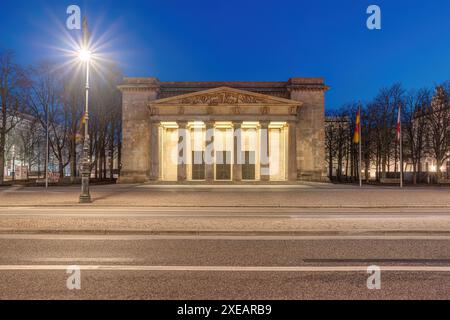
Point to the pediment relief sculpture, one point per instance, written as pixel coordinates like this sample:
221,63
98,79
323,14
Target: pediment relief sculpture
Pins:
229,98
224,96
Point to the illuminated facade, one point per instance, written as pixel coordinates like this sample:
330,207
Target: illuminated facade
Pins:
223,132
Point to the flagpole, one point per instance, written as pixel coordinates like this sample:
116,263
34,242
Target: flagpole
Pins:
360,148
401,144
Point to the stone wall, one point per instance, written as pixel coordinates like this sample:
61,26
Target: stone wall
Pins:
310,129
136,130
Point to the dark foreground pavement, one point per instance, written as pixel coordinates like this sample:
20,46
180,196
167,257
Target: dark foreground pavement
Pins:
224,267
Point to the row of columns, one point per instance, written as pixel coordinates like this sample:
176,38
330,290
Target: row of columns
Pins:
237,166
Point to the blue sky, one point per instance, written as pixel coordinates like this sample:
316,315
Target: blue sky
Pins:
250,40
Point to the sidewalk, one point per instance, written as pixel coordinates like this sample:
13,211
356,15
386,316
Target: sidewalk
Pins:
301,209
301,196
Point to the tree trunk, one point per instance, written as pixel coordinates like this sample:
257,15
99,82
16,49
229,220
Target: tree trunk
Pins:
438,171
104,162
2,145
111,152
60,165
73,159
367,166
419,170
96,162
119,154
2,159
414,173
383,167
330,165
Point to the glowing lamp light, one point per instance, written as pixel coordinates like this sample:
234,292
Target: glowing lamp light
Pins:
84,55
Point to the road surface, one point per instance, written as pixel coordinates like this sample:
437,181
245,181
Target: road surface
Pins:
224,266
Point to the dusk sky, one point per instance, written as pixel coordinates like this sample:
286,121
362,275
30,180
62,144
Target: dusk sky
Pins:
262,40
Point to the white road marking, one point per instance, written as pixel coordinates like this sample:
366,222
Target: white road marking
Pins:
233,215
302,216
222,209
71,260
225,268
218,237
228,213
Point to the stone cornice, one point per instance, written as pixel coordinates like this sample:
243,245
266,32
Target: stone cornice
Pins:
139,85
126,88
308,88
306,84
225,96
185,87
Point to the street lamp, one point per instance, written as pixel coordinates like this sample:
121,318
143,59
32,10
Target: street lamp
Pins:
85,197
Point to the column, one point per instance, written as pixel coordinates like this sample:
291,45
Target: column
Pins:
182,151
154,151
237,161
264,149
209,151
292,151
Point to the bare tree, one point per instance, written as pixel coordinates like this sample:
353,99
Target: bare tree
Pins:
12,81
439,126
46,103
73,104
342,144
368,139
415,124
330,144
385,106
31,138
105,121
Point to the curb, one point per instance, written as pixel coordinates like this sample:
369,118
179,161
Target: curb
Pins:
229,206
228,233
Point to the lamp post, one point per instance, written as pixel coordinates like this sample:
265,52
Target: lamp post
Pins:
85,196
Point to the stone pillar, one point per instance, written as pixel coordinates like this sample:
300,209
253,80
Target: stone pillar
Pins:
310,127
237,161
182,151
136,129
209,152
264,149
292,151
154,151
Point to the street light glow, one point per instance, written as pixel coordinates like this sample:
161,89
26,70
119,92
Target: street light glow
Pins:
84,55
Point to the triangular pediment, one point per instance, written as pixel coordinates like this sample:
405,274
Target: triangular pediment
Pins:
224,96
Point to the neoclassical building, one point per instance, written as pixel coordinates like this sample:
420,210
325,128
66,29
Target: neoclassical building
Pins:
223,132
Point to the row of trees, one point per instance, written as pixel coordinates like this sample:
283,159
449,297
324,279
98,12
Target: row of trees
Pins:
43,100
426,133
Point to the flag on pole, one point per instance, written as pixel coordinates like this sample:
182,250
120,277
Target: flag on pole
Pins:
357,135
357,140
399,124
83,120
78,137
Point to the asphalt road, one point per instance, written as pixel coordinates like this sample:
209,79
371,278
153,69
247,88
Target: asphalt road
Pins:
224,266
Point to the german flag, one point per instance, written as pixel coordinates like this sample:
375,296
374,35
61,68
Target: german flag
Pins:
83,120
78,137
357,135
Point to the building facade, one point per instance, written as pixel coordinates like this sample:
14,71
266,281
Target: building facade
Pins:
223,132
